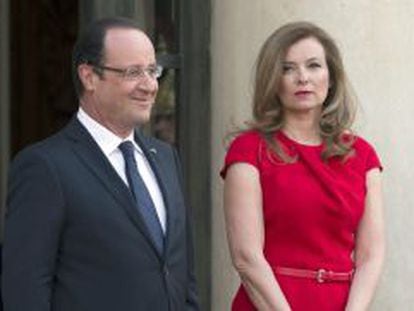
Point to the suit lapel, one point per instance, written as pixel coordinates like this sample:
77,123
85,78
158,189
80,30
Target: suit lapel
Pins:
158,165
91,155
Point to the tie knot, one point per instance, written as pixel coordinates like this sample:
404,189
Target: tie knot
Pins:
127,149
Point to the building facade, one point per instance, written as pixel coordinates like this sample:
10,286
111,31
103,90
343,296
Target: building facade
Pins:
209,48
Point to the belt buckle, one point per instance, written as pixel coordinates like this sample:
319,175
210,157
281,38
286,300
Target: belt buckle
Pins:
320,275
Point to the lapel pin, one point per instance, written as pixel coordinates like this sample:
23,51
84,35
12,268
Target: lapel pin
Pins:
153,151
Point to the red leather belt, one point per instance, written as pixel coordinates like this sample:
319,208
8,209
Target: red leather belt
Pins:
320,275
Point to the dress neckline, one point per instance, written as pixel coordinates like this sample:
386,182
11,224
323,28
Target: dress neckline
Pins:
296,143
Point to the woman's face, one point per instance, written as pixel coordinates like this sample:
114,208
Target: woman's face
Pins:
305,78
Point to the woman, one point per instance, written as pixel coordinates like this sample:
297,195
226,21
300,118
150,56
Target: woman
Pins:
302,194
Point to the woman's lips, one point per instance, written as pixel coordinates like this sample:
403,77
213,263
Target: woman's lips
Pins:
303,94
298,93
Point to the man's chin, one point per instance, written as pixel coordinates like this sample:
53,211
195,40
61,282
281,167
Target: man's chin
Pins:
142,120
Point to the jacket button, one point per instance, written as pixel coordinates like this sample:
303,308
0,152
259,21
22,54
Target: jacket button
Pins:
166,271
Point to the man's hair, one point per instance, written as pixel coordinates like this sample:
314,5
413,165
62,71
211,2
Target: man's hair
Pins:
89,48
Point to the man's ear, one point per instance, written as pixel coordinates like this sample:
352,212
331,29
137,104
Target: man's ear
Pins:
87,76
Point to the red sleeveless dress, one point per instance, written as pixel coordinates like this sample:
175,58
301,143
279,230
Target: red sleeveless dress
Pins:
311,212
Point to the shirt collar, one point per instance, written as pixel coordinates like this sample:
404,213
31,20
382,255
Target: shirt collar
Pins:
106,140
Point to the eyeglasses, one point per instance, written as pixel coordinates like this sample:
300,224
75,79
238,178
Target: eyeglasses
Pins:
135,72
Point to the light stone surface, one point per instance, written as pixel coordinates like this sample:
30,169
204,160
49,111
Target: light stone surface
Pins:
377,42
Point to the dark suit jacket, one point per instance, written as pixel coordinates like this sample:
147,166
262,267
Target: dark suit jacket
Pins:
74,240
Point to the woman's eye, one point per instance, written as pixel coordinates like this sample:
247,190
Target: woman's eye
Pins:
314,65
287,69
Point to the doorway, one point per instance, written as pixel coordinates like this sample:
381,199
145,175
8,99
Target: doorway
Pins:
42,34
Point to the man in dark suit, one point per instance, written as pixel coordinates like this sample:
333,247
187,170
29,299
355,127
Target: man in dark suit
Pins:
96,218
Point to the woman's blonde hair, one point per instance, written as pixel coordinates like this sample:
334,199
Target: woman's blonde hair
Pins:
338,110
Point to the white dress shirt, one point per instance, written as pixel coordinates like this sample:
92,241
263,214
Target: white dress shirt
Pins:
109,142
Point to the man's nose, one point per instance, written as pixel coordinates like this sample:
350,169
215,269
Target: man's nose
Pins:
147,83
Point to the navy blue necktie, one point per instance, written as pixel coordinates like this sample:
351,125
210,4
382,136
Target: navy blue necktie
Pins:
140,192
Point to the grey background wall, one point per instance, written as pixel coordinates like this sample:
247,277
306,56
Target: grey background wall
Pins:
377,42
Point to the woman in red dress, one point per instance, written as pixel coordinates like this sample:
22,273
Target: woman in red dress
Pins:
302,193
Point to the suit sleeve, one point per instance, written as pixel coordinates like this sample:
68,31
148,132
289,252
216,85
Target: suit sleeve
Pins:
33,221
192,295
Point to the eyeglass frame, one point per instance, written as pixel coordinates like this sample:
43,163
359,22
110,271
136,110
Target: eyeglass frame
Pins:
152,71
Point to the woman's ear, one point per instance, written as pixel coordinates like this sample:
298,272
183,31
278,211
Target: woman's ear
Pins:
87,76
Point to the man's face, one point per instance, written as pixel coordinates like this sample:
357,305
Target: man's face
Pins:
119,103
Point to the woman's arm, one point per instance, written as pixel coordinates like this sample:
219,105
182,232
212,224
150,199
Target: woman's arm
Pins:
245,233
370,246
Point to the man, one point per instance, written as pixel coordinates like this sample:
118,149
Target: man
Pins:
94,223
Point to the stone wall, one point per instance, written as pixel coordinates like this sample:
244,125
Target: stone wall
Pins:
377,42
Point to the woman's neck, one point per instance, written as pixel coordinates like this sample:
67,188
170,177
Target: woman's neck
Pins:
305,131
